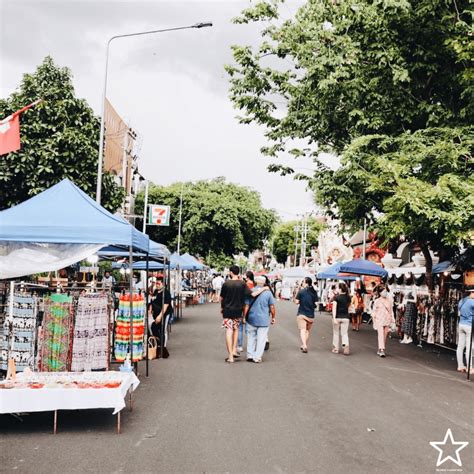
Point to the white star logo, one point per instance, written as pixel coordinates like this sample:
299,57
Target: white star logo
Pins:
441,458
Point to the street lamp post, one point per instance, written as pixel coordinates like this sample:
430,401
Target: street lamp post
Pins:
180,217
102,121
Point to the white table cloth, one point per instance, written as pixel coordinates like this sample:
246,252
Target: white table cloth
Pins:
24,400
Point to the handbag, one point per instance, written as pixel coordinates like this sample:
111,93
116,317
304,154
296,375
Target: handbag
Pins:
152,347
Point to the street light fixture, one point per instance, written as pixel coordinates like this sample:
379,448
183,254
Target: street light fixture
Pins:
102,121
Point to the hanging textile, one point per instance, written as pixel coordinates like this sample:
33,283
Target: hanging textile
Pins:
122,328
409,318
56,343
91,334
18,341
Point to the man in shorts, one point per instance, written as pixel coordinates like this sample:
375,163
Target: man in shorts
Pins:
232,298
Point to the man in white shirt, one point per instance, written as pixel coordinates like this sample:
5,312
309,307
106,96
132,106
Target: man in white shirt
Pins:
108,281
217,283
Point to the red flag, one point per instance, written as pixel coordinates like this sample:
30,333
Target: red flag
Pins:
10,131
10,134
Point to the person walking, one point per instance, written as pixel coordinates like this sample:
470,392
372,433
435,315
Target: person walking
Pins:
466,313
232,296
306,300
217,283
260,315
250,282
357,303
340,320
382,316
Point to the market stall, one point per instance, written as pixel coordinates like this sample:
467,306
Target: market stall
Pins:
49,231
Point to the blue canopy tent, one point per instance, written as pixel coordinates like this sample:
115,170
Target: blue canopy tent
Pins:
333,273
359,266
175,261
66,214
158,251
196,264
58,227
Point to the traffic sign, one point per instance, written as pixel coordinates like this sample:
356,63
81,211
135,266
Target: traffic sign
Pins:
158,215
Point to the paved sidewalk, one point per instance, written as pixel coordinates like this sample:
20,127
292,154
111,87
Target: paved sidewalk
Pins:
316,412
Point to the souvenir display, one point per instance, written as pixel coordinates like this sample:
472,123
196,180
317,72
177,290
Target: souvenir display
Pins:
90,349
122,328
19,333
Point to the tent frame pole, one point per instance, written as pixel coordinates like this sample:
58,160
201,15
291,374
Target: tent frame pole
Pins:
163,318
147,329
130,282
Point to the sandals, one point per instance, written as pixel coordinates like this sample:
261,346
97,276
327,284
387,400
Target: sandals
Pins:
304,350
462,370
229,361
335,351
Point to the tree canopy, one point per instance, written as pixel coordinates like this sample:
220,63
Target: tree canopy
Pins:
284,238
385,85
219,219
59,139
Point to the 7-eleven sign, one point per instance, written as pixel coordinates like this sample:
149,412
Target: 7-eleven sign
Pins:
159,215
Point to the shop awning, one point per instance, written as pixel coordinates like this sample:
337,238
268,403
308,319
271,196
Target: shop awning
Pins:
446,266
407,269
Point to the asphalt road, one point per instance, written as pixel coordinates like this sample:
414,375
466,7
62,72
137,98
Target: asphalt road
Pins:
316,412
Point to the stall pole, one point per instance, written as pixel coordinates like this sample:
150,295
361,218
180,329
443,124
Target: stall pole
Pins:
146,316
118,423
169,282
180,283
162,341
145,208
364,242
130,282
55,423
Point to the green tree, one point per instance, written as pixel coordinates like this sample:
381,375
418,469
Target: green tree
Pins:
284,238
419,185
59,139
387,86
219,219
344,69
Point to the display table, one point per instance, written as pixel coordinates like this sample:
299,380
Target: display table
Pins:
53,391
188,297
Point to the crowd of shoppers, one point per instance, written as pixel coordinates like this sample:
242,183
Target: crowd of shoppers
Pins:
248,308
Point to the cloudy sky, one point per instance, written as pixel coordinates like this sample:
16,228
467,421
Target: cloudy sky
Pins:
170,87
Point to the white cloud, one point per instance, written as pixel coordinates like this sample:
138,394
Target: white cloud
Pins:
171,86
